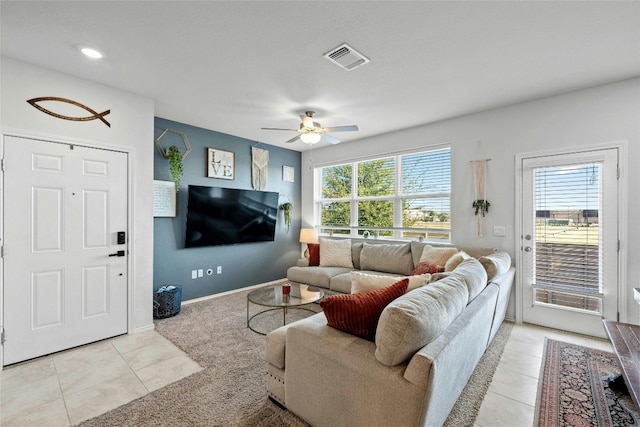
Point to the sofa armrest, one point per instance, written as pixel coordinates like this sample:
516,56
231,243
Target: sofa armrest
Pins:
303,262
333,378
504,283
276,340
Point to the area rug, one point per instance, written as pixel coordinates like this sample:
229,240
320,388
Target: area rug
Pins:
231,388
574,389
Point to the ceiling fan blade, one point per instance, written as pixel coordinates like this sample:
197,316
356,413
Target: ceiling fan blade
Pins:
294,130
294,139
307,121
349,128
330,139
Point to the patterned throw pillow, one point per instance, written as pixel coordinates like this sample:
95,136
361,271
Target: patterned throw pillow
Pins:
314,254
358,314
425,267
335,253
437,256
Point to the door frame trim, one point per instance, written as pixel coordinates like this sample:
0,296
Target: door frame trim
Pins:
621,145
130,152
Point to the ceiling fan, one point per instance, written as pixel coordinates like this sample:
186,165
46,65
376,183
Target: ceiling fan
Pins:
311,132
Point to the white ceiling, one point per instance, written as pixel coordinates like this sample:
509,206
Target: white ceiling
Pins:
237,66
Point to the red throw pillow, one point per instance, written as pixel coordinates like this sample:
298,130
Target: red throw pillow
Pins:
426,267
314,254
358,314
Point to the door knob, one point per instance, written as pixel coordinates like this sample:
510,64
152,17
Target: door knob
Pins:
527,248
119,253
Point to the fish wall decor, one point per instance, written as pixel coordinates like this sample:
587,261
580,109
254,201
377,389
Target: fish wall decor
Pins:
96,115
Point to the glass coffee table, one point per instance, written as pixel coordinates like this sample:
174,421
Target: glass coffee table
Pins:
285,297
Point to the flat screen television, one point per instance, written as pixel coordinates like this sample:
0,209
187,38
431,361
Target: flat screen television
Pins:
227,216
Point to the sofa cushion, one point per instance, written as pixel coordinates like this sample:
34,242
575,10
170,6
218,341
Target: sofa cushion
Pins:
474,276
364,282
356,249
455,260
387,258
426,267
335,253
416,251
496,264
358,314
415,319
341,283
437,256
314,254
317,276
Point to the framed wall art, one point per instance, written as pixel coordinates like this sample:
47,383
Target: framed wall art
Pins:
221,164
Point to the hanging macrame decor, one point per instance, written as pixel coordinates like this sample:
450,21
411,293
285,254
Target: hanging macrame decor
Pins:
480,204
259,166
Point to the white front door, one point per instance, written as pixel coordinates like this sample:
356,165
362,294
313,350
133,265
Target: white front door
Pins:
569,247
65,281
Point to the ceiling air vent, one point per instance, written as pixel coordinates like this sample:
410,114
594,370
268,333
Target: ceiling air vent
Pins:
346,57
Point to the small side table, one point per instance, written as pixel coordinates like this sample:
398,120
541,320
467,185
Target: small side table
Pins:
625,339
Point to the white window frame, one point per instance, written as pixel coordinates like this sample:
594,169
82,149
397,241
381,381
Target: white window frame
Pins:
396,198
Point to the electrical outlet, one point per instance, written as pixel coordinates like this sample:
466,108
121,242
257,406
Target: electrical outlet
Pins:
499,231
200,273
194,274
219,271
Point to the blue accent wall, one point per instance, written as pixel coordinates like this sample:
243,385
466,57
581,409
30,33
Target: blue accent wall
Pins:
243,264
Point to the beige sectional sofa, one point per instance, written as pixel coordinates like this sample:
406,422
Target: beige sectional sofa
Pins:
427,344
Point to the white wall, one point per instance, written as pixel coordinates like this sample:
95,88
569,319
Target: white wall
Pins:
587,117
131,130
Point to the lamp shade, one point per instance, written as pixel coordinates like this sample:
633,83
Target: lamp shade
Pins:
310,138
308,235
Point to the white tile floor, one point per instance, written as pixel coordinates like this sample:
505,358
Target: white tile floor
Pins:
75,385
66,388
511,398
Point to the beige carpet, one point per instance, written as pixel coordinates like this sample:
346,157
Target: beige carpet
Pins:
231,389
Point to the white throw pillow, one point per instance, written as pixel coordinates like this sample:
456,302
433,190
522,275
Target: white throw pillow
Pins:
363,282
496,264
455,260
335,253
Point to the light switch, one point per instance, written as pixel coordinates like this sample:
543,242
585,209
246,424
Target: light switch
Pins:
499,231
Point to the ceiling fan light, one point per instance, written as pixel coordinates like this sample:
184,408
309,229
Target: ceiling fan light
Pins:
310,138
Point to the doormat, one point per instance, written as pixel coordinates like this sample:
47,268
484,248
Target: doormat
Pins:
573,389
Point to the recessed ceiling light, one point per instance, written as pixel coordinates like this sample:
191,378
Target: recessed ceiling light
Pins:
91,53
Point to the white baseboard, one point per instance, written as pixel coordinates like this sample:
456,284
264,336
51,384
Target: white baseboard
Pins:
259,285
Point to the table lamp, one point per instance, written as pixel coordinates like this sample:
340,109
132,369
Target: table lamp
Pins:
308,235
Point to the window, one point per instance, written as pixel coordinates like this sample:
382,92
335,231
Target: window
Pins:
567,266
405,196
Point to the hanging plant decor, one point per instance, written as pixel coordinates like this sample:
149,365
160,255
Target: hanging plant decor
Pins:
481,206
286,209
175,165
